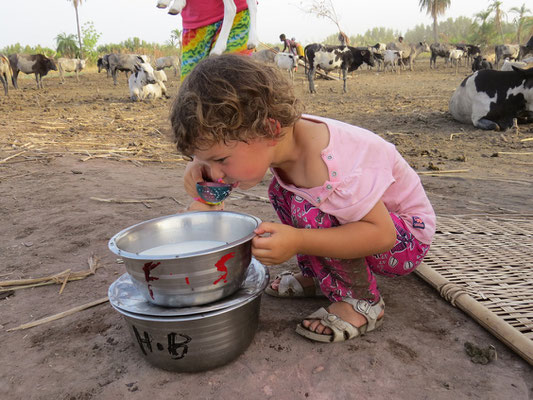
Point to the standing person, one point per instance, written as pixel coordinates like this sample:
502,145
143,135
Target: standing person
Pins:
202,22
350,205
288,44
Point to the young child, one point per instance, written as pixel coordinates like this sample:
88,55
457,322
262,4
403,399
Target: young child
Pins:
349,204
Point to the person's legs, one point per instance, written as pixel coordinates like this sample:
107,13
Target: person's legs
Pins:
197,43
407,253
338,278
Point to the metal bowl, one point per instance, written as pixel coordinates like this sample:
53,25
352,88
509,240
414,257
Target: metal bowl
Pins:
179,273
203,340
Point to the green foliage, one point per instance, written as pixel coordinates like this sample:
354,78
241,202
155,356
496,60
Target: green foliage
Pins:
89,39
18,48
135,45
67,45
375,35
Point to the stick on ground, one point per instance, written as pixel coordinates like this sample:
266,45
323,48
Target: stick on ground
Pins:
60,315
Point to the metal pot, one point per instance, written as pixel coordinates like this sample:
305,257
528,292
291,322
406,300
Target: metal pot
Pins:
178,275
208,337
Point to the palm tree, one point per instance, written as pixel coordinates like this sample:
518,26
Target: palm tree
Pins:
520,19
498,16
486,30
434,8
77,3
66,45
175,38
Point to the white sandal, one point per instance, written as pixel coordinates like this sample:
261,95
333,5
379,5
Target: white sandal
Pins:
289,286
343,330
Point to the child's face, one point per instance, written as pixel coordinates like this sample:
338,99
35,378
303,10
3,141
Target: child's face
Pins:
244,164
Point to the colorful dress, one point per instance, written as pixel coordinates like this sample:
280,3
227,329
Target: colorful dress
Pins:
202,21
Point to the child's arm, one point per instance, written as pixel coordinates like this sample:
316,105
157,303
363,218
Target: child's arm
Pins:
373,234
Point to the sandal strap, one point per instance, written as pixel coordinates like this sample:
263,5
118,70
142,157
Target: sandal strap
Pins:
370,311
341,329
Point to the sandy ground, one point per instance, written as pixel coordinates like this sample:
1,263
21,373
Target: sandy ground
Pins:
63,146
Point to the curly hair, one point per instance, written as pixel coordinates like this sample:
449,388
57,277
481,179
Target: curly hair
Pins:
231,98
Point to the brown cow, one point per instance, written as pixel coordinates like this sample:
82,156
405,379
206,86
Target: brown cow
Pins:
5,72
37,64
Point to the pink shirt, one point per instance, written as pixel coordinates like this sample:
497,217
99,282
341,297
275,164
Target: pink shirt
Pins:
363,169
198,13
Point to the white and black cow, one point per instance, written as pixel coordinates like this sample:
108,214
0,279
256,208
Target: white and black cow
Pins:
328,58
37,64
503,51
470,50
491,99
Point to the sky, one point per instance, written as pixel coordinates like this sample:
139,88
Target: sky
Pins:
32,22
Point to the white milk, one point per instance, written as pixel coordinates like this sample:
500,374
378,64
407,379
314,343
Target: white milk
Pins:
182,247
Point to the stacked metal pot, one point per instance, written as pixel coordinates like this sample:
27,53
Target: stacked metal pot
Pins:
192,290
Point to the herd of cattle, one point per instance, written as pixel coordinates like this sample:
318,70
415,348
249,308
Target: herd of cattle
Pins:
145,82
489,98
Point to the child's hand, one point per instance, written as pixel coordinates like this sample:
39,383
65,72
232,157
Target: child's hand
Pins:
194,172
199,206
282,243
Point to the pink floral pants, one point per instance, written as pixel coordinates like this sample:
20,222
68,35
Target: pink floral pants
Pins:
340,278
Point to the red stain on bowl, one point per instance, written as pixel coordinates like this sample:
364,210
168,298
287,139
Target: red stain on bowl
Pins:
149,266
221,266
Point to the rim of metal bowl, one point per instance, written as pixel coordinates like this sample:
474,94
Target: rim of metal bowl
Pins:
112,245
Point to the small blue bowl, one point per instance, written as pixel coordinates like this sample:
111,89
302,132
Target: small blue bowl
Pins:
213,192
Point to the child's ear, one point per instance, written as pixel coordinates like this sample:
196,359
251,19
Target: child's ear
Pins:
275,126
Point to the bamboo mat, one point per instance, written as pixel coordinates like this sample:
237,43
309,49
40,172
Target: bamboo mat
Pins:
484,266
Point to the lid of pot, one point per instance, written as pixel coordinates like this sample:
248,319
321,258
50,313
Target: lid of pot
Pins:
124,296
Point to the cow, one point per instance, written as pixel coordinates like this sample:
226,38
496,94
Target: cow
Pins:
123,62
103,63
408,51
168,62
455,58
508,65
144,84
524,51
503,51
470,50
37,64
391,57
70,65
346,58
287,61
5,73
265,56
378,51
439,50
491,99
414,50
480,63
